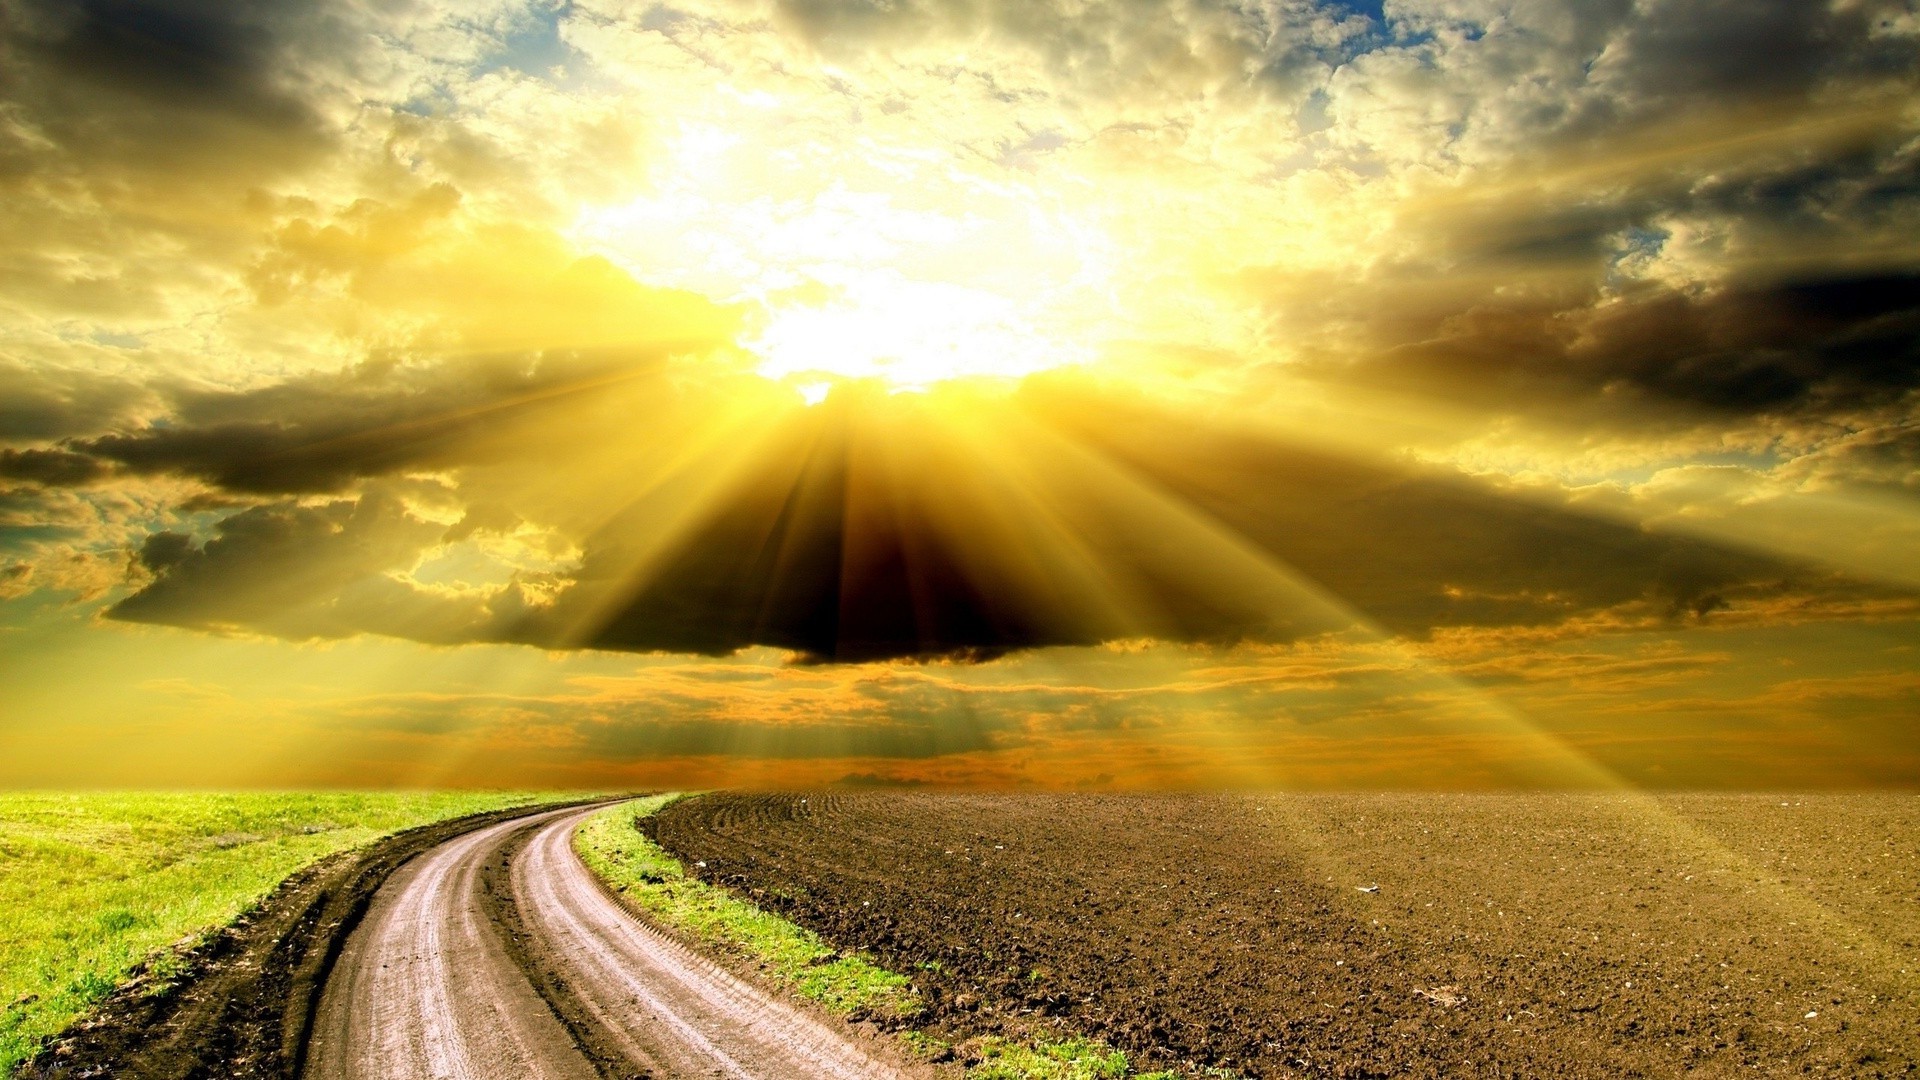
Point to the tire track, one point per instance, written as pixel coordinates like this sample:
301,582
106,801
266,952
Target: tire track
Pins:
669,1004
498,955
395,1007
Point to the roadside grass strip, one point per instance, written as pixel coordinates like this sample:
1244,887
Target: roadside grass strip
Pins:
92,885
796,958
847,985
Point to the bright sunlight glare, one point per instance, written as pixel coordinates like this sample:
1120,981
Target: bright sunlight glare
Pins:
920,274
908,334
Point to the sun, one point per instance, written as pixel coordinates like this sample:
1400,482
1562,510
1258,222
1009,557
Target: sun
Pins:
867,262
908,335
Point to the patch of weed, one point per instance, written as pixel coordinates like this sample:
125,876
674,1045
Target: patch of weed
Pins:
1068,1059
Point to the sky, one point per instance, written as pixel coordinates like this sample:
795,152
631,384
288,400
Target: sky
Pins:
1478,394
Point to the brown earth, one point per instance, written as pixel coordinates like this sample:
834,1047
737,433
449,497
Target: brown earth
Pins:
1369,934
242,1006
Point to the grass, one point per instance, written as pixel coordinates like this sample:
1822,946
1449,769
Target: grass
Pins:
796,958
654,882
92,884
1068,1059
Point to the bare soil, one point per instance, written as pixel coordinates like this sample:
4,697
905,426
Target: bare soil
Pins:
1369,935
241,1003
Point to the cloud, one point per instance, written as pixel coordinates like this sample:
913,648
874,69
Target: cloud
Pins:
1100,54
477,338
1676,52
320,293
816,541
132,135
900,737
61,468
72,542
1503,79
148,146
41,403
320,433
1663,358
1882,454
1619,219
1417,549
253,85
175,80
298,572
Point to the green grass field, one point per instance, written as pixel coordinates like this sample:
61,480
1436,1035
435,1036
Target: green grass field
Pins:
91,884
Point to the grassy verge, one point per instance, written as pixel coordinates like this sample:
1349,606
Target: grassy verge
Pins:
90,885
796,958
654,882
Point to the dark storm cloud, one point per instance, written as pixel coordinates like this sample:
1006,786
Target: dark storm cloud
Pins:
298,572
322,432
1411,552
220,55
1416,550
147,86
44,403
776,564
818,552
1555,306
1556,76
59,468
1838,343
1847,202
809,552
1659,356
1687,52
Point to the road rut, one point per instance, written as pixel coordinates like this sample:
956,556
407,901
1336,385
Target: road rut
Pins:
431,987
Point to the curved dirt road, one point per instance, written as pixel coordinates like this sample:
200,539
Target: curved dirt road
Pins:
436,984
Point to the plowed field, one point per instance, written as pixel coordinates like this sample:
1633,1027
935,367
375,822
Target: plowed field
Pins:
1369,935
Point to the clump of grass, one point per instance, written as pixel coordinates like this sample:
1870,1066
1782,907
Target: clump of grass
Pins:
1067,1059
655,882
613,847
92,885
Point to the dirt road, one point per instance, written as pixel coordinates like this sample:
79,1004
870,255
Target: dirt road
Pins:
497,955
